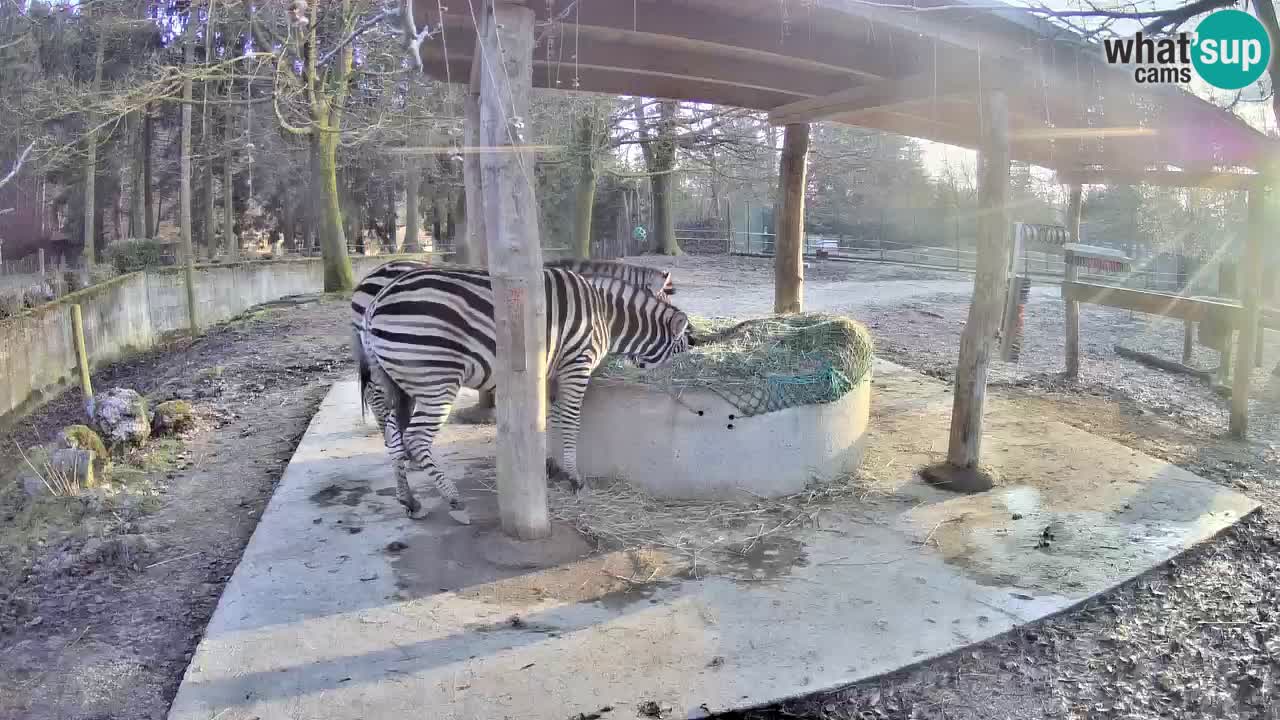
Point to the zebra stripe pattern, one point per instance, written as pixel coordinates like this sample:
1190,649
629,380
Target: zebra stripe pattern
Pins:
654,280
602,273
430,332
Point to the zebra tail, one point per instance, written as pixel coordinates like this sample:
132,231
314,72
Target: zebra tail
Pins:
362,363
404,405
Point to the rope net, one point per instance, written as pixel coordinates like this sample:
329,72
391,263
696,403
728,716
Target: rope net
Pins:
764,365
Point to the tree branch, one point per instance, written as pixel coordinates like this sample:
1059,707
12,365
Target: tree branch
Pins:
13,172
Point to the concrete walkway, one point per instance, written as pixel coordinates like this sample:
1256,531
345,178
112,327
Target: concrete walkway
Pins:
343,608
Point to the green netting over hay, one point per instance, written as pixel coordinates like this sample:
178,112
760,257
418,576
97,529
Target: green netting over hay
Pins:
764,365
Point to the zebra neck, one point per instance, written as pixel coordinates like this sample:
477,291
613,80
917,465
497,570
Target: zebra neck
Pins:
624,321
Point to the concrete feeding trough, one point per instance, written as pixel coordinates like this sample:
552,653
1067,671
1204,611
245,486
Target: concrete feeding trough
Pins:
641,434
690,432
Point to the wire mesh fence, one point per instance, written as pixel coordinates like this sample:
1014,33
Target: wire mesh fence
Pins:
1157,271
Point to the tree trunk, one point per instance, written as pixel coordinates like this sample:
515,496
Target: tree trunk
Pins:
585,191
91,159
137,177
230,243
978,338
186,248
152,210
664,222
660,160
439,218
788,258
338,276
287,229
412,216
390,220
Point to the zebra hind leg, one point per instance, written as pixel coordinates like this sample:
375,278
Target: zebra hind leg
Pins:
433,406
566,414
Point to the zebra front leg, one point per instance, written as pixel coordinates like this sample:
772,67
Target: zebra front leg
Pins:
432,410
566,415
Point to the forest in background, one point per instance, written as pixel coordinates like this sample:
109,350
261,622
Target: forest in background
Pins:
136,128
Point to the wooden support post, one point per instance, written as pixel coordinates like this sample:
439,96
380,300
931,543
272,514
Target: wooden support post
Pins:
515,266
1251,300
788,257
473,250
82,357
1071,273
1188,335
978,339
40,259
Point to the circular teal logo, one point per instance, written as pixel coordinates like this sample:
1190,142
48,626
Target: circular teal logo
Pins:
1231,49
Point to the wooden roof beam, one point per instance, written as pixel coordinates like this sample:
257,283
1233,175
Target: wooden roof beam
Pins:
1163,178
872,96
870,57
601,50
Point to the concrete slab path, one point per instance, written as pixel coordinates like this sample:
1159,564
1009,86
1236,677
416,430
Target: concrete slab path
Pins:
343,608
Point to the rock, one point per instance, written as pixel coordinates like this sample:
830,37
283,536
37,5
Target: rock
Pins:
121,417
72,466
57,471
172,417
83,437
119,550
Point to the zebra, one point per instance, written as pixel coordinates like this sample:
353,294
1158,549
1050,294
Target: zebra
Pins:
429,332
597,271
656,281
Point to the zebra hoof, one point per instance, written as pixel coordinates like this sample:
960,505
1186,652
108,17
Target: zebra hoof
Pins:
458,511
423,509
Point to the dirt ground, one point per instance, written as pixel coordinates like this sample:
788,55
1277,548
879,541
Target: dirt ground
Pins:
1196,639
83,636
87,634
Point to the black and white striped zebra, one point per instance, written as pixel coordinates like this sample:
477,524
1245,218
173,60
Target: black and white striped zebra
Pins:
654,280
430,332
596,271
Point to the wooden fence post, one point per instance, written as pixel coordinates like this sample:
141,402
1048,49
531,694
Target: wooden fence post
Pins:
82,357
978,339
1251,301
515,266
788,256
1070,273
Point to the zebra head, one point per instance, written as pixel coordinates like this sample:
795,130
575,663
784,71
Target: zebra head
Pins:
651,332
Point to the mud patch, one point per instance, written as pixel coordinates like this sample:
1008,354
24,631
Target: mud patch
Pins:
334,494
763,559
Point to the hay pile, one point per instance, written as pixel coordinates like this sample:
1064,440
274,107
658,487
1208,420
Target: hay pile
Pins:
767,364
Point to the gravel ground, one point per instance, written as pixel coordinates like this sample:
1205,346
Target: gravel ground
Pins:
1195,639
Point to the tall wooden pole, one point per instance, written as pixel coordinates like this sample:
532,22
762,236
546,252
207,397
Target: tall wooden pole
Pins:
788,258
1070,274
1251,299
473,250
82,357
187,251
515,266
978,339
